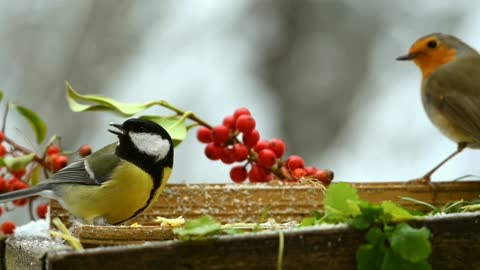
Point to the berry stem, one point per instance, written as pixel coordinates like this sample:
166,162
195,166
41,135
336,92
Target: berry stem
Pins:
24,150
190,115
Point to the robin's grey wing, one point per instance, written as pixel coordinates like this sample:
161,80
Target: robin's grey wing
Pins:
454,90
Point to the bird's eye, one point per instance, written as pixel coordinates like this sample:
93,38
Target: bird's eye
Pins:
432,44
142,129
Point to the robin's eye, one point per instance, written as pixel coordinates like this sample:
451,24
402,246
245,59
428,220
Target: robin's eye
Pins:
432,44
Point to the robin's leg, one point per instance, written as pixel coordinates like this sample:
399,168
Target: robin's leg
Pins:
427,177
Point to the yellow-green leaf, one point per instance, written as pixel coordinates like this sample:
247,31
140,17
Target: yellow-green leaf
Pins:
81,103
1,95
34,120
35,176
17,163
341,200
396,213
175,126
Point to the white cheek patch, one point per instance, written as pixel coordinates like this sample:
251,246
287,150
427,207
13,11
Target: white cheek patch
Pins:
151,144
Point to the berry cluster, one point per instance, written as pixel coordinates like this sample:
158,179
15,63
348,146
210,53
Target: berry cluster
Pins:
10,180
262,159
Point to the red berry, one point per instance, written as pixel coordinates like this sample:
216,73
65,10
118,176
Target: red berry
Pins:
311,170
240,111
257,174
299,173
238,174
240,152
60,162
229,122
3,150
278,146
3,185
19,173
245,123
226,156
266,158
1,210
325,176
212,151
260,146
251,139
53,149
15,184
220,134
204,135
294,162
85,150
2,136
42,210
8,227
20,202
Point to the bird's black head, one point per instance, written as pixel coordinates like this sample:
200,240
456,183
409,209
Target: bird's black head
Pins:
145,144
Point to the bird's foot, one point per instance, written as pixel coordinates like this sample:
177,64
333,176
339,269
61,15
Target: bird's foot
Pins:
425,181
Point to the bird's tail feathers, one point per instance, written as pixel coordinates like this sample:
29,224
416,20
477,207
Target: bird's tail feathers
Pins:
23,193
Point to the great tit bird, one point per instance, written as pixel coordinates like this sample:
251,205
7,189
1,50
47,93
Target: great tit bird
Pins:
116,183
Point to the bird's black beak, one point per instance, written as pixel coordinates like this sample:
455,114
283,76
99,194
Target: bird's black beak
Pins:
117,126
406,57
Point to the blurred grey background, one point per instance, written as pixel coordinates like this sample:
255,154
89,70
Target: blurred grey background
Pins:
319,74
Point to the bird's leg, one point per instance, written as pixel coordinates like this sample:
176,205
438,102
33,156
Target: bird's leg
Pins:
427,177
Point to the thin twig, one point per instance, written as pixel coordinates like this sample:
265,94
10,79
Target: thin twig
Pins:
191,116
4,123
26,151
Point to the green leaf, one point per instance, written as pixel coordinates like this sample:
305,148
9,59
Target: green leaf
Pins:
34,120
410,243
17,163
101,103
175,126
359,222
471,208
396,213
369,257
341,201
434,209
1,96
35,176
375,235
308,221
394,262
200,227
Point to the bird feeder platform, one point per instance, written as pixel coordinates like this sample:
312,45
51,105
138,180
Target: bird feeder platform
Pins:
456,237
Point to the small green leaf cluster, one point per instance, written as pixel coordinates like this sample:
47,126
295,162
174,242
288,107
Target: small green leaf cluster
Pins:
202,228
390,242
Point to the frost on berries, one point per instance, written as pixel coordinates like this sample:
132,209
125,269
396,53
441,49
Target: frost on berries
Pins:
237,140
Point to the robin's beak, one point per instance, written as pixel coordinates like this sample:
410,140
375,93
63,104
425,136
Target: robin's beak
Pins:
117,126
406,57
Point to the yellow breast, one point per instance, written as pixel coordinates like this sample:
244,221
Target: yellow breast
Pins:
114,201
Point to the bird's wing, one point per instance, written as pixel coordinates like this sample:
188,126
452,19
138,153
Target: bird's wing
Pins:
92,170
454,89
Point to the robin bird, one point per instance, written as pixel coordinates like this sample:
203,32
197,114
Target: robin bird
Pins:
450,89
